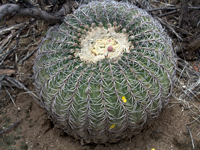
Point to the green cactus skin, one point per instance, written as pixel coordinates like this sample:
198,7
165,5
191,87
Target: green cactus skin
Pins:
105,101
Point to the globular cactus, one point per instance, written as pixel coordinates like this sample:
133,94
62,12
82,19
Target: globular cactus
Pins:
105,71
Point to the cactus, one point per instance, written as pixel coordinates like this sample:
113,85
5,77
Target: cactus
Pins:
105,71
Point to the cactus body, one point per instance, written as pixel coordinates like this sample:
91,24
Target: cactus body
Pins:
105,71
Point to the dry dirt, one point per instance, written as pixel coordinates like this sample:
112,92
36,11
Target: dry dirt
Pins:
36,131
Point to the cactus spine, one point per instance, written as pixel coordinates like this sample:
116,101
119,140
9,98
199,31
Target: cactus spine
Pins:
105,71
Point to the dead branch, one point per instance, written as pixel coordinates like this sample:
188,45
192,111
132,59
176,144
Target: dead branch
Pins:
171,8
9,29
1,79
8,9
9,81
65,9
168,13
190,136
36,13
163,22
39,14
7,40
27,56
163,8
8,72
191,47
15,34
194,45
184,13
16,123
10,97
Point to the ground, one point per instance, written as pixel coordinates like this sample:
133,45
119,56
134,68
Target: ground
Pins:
36,131
175,129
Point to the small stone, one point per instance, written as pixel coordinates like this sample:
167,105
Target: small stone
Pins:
110,48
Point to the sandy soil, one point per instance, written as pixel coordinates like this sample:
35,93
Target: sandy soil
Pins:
36,131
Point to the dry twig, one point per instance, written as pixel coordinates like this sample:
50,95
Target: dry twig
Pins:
168,13
15,124
1,79
193,45
171,8
15,34
14,27
184,13
190,137
11,81
162,8
8,9
163,22
10,97
27,56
